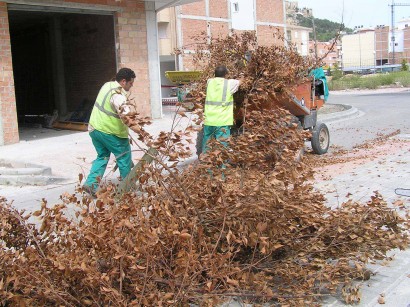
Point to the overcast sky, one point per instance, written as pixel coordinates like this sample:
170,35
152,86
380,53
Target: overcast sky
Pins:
357,12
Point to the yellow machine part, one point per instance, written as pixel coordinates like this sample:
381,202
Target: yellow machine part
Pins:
183,77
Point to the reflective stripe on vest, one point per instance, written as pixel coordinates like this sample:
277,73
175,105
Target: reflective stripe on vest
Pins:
104,117
101,107
224,91
218,103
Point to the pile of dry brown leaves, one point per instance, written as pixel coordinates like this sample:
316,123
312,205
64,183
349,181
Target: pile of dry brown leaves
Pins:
245,221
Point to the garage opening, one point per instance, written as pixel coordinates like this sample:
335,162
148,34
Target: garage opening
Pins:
60,61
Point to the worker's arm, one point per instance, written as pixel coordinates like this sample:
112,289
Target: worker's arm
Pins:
118,102
234,85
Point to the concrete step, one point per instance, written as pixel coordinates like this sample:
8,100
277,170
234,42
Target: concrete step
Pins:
22,173
25,171
35,180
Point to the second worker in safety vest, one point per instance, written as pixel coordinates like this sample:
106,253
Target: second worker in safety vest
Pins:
108,132
219,107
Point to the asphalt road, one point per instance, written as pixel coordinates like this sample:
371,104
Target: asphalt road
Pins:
379,114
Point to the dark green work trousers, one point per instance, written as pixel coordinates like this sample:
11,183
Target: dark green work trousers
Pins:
216,132
105,144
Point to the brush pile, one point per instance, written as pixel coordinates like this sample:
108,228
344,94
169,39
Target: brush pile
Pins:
244,222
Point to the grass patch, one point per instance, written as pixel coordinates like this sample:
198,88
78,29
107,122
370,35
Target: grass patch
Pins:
370,81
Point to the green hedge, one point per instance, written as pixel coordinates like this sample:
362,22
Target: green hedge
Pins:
370,81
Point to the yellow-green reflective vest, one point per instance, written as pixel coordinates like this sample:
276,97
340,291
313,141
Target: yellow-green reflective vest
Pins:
104,117
218,103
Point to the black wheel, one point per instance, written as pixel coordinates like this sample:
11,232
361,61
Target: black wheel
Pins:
199,138
320,138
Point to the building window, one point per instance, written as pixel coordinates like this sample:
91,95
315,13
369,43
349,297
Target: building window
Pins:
235,7
289,35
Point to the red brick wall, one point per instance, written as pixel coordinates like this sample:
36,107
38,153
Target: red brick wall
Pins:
269,11
219,29
218,9
190,29
132,40
196,8
406,44
382,43
266,11
266,35
8,110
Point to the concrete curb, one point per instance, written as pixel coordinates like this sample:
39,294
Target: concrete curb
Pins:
386,90
350,112
17,167
28,180
20,173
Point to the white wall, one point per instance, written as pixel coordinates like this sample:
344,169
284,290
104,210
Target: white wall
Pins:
166,66
399,40
243,18
358,49
305,42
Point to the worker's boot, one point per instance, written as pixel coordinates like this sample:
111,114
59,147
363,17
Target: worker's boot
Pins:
88,190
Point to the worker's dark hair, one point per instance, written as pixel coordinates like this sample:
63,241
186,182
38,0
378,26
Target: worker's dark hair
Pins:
221,71
125,73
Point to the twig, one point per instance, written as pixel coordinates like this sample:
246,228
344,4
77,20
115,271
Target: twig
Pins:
29,231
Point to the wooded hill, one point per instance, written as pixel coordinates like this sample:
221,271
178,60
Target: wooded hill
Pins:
325,29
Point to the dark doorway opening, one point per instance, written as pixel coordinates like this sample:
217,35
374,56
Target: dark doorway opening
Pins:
60,61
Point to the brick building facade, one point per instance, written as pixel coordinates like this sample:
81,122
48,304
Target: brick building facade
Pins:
372,48
219,17
56,54
327,51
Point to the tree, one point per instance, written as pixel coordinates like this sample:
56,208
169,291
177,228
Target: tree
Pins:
325,29
337,73
404,65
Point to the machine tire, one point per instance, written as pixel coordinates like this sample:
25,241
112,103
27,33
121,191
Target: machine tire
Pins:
199,138
320,138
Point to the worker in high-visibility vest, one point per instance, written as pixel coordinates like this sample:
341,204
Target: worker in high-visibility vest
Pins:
219,107
108,132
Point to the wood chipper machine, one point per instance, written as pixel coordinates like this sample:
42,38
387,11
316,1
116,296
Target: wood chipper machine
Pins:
182,79
304,104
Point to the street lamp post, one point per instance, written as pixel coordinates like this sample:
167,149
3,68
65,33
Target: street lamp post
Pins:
360,52
360,45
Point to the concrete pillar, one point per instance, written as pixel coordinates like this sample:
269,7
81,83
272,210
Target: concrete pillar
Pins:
179,63
58,66
153,60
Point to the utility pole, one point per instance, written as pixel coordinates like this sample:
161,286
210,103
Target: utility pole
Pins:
314,37
392,30
393,38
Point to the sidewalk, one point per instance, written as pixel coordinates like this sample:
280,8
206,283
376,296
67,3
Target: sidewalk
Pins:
382,167
67,154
